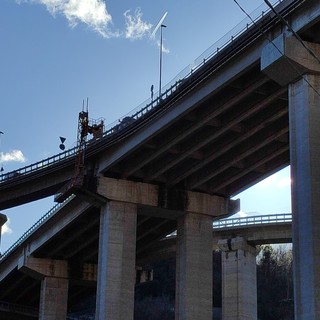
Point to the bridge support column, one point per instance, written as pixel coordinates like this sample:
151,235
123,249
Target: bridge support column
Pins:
194,255
239,280
116,266
54,285
53,298
304,108
117,246
301,71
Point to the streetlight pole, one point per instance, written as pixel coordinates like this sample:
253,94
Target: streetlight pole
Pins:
160,73
1,166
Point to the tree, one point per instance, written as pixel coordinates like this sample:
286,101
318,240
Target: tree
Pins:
274,281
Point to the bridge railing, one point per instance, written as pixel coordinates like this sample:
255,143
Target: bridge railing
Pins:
166,91
34,227
253,220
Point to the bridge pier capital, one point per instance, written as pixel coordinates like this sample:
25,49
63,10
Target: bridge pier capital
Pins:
39,268
288,54
237,244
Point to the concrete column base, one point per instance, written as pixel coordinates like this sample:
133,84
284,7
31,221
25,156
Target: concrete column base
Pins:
239,280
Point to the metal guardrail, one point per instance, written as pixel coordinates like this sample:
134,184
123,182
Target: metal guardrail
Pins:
34,227
166,91
254,220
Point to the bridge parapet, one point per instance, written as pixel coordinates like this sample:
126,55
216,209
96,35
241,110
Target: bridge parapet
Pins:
254,220
33,228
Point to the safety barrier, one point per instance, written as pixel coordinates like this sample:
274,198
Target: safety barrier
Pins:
253,220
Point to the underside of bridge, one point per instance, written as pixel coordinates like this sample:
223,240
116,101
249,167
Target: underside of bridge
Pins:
228,142
78,244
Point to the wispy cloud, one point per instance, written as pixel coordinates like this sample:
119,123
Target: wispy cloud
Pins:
136,28
6,228
93,13
12,156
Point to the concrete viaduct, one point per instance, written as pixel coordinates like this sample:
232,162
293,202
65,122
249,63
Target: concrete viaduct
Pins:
248,109
237,238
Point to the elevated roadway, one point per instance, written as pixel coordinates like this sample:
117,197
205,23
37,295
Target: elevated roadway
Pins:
218,129
215,131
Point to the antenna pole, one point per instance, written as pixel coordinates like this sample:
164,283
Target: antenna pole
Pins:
160,72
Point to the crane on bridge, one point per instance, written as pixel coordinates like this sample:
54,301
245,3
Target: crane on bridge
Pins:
85,127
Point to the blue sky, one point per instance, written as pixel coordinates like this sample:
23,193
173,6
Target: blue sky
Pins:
55,53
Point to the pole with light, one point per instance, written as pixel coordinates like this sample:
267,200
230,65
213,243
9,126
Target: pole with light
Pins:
1,166
159,25
161,49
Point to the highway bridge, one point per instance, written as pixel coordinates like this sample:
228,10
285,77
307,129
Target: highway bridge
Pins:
226,124
257,230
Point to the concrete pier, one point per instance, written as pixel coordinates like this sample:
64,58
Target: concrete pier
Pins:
194,255
304,111
239,280
117,246
300,70
54,285
116,266
194,268
53,298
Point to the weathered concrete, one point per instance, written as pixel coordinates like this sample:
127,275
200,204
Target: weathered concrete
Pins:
116,266
117,246
239,280
194,255
53,298
128,191
287,54
301,69
54,285
194,268
304,109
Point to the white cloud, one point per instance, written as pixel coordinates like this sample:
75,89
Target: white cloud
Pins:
12,156
90,12
95,15
136,28
6,228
